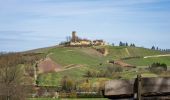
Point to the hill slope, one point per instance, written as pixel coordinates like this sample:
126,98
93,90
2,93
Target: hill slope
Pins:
76,61
90,56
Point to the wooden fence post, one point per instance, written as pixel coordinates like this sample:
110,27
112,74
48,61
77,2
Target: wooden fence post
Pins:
138,87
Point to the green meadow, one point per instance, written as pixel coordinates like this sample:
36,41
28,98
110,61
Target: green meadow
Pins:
82,59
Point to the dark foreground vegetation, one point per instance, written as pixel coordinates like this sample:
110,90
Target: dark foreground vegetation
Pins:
15,75
158,67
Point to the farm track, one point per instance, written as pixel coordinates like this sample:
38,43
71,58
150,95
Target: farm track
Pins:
75,66
155,56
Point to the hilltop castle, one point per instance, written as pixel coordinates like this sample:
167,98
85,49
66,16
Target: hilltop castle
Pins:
76,41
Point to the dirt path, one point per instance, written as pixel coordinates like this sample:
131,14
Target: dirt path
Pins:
127,51
49,55
155,56
75,66
48,65
123,64
106,52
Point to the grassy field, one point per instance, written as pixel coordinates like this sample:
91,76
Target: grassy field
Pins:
90,59
148,61
121,52
66,56
89,56
53,79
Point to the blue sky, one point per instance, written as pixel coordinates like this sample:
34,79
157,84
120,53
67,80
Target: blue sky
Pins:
30,24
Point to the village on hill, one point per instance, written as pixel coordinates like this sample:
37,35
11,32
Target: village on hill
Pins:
74,40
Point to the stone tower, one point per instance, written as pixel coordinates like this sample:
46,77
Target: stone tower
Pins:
74,36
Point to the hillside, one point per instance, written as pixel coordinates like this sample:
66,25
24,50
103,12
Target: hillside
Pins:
65,55
76,61
85,69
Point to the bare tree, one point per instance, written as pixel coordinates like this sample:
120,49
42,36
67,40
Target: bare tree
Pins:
11,77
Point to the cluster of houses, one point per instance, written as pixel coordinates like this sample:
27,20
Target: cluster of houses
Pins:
76,41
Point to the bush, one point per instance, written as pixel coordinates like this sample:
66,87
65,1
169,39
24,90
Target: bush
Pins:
112,69
73,94
116,75
90,95
105,72
67,84
63,95
90,73
158,67
101,50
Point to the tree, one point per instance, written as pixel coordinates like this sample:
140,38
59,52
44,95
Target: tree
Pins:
89,74
157,48
153,48
132,45
113,44
158,67
126,44
121,43
11,77
67,84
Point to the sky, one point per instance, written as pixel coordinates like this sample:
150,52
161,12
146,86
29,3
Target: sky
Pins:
31,24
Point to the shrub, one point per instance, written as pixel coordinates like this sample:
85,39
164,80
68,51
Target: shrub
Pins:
105,72
63,95
90,95
158,67
101,50
91,73
112,69
67,84
88,74
73,94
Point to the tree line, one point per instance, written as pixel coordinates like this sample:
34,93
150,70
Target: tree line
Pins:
125,44
134,45
159,49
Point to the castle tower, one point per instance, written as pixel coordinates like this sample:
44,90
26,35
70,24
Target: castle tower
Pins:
74,36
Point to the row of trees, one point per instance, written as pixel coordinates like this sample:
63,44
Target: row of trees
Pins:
125,44
157,48
133,45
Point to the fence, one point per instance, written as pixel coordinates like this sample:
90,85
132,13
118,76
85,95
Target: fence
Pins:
139,88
